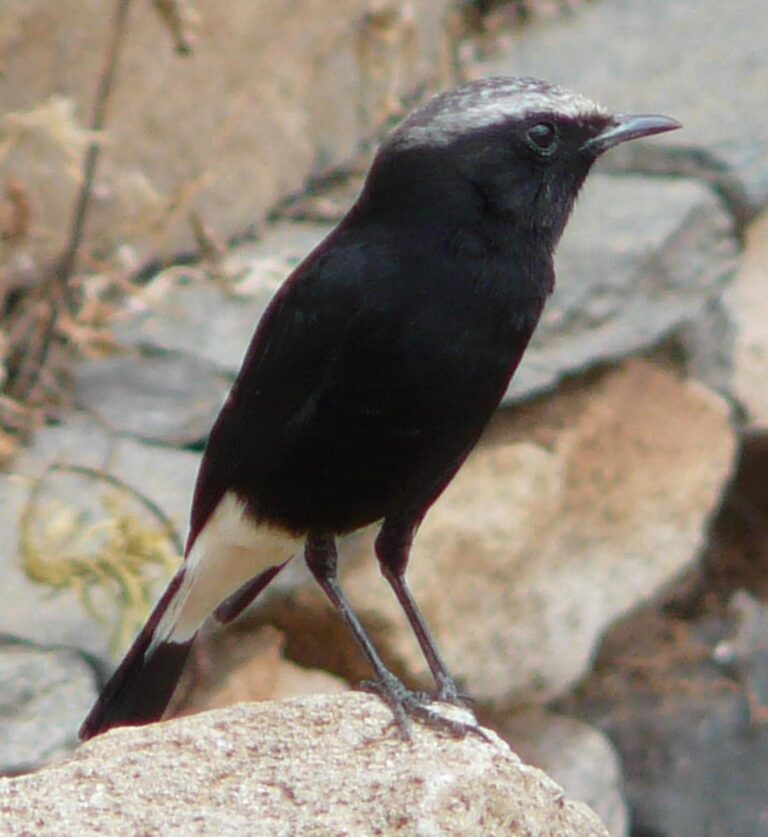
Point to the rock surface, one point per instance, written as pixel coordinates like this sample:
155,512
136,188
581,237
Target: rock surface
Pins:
690,731
165,397
570,513
44,695
242,665
173,313
321,766
269,93
746,303
576,756
659,57
639,261
49,615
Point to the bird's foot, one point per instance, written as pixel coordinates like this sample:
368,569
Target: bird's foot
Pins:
407,705
448,692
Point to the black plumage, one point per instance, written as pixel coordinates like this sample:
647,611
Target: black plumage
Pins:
377,366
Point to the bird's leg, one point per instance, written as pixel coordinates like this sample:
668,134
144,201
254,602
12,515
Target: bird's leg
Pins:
322,559
393,547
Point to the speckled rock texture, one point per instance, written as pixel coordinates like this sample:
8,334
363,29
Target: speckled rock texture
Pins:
313,766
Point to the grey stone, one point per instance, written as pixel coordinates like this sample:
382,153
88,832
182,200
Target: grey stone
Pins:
709,344
638,261
185,311
577,756
44,695
283,240
702,61
694,765
693,742
200,319
166,397
317,765
34,611
746,650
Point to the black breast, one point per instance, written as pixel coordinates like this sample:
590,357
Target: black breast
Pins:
361,397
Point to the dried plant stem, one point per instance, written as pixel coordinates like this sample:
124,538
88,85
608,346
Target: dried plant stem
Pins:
55,296
68,261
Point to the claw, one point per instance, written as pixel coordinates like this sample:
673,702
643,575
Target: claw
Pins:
449,693
407,705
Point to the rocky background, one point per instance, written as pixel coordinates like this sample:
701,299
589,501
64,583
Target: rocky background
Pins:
596,574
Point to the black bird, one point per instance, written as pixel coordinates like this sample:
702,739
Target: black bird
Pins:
376,367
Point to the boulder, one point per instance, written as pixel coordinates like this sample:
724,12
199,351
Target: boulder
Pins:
319,765
268,94
169,398
684,702
185,312
239,665
640,261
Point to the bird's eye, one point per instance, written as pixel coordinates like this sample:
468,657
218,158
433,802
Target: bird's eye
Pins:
542,137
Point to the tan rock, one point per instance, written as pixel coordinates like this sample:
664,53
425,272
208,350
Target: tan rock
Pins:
577,756
270,92
314,766
240,666
746,304
571,512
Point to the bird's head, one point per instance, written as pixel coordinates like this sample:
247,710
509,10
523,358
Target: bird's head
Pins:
515,148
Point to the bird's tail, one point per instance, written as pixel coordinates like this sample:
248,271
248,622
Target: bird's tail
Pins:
230,563
143,684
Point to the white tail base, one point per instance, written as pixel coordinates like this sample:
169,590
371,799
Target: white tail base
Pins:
230,550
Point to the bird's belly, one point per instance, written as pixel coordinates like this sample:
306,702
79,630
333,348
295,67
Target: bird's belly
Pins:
373,451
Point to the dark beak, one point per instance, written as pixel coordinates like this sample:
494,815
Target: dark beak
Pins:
625,127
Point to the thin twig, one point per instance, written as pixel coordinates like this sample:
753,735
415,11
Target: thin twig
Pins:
46,312
68,260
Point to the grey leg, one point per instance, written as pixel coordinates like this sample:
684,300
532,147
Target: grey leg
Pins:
393,547
322,559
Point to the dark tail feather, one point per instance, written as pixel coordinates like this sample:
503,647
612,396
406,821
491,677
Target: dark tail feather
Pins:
235,604
142,686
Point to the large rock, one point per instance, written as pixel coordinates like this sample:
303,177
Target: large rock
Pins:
569,514
236,665
270,92
690,731
323,766
185,312
170,398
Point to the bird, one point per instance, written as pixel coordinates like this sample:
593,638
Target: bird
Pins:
374,371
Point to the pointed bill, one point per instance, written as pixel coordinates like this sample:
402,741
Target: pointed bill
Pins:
625,127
